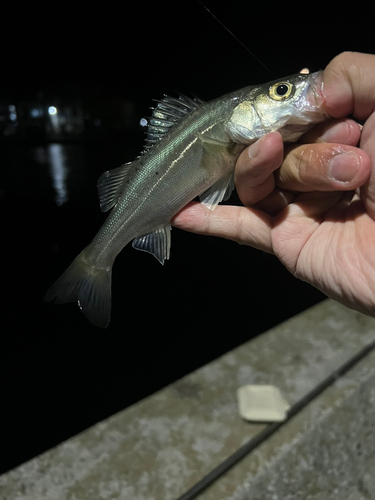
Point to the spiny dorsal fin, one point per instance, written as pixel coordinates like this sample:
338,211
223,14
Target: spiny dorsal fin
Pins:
168,112
109,185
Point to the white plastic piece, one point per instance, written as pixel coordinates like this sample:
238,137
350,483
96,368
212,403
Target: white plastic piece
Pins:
262,403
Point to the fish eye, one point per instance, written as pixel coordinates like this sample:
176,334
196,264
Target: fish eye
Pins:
280,91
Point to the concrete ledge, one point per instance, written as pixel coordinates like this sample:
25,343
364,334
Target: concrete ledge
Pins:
327,451
162,446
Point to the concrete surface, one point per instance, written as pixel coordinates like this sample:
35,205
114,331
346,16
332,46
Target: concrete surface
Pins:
327,451
163,445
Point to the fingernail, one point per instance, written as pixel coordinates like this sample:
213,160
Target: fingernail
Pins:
254,149
344,166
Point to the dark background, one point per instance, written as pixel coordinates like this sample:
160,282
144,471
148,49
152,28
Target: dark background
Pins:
60,374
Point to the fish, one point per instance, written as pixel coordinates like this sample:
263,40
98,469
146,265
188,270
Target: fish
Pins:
191,151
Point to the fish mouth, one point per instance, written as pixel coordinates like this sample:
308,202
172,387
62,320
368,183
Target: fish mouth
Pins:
310,105
315,95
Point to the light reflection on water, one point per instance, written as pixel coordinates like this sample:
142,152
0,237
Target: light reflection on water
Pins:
58,171
63,172
54,156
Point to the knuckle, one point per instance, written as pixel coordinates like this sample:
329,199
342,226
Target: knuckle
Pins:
290,170
342,62
304,162
306,167
241,229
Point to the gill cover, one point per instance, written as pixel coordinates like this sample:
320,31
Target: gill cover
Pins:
286,106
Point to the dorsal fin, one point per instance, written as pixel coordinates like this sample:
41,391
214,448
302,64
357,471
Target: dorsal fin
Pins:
168,112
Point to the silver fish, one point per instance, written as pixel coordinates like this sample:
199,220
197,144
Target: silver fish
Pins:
191,150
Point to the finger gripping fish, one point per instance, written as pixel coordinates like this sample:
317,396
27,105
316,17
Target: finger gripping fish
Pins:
191,150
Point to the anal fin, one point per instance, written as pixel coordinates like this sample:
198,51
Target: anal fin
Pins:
158,243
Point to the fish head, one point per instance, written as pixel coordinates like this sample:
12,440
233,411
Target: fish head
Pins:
290,106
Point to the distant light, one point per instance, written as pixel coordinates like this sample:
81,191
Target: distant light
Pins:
52,110
12,112
97,122
143,122
36,112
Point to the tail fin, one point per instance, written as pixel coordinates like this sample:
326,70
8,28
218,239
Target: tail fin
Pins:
87,284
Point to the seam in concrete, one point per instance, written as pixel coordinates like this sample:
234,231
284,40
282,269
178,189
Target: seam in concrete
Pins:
239,454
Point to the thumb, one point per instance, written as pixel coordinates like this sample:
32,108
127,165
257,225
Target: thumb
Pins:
368,145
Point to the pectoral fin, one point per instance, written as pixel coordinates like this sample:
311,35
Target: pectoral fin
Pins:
158,243
220,191
225,153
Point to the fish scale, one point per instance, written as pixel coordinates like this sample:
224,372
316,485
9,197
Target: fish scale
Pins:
191,150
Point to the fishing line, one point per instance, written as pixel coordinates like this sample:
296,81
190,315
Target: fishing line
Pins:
236,38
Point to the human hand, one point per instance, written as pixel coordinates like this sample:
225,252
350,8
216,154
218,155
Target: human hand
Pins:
312,205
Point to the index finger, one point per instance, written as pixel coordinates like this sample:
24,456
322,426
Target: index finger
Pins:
349,85
349,88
